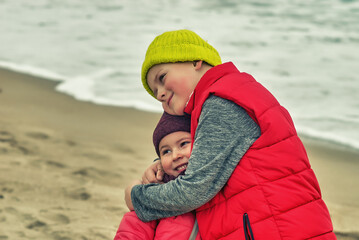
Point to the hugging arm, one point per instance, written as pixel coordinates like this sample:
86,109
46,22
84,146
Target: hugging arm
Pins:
154,173
224,133
128,193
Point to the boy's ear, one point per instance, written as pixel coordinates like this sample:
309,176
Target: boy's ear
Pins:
197,64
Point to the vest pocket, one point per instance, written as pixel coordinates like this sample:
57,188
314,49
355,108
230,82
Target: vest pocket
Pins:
247,227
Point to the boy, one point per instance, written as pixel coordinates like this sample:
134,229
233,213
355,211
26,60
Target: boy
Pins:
172,141
248,175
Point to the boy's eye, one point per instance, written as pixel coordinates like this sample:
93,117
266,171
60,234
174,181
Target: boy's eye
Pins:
161,77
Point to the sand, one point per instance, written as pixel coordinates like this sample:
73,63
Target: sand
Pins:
65,163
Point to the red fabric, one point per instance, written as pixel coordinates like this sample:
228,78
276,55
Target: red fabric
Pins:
179,227
273,182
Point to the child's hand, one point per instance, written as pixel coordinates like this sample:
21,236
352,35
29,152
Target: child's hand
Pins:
128,194
153,174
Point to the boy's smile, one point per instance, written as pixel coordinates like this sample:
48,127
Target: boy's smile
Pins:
173,83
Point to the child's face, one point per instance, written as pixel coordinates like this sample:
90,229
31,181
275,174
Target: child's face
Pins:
175,150
172,84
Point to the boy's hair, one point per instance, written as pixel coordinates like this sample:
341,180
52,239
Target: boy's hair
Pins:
177,46
169,124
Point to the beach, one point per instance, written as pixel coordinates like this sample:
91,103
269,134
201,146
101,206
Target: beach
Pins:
65,164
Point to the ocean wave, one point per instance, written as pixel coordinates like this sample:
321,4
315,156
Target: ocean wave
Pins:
307,60
328,137
33,71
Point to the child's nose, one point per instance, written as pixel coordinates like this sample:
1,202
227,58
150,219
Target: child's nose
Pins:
177,154
161,93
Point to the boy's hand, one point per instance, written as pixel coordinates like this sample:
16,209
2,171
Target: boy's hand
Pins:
128,194
153,174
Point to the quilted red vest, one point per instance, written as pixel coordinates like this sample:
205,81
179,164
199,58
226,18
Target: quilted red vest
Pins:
273,192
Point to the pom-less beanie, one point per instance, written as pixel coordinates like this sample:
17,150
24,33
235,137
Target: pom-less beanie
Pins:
169,124
177,46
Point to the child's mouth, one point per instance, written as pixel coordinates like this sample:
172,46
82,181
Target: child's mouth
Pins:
169,101
181,167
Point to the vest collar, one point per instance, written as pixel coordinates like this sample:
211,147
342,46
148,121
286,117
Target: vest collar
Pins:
210,77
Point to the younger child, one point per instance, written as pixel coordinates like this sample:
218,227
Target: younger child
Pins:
249,176
172,141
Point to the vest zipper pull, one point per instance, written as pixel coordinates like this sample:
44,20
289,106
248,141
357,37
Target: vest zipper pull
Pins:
247,227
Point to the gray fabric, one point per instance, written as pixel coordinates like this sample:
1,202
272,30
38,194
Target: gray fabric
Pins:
195,231
224,133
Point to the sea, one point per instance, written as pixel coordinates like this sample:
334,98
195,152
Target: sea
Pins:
305,52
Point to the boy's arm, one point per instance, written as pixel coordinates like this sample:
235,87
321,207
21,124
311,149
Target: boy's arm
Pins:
128,194
224,133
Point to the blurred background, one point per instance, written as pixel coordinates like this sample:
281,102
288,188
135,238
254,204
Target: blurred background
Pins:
75,158
304,52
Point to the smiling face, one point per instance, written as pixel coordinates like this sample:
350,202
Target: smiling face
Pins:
173,83
175,150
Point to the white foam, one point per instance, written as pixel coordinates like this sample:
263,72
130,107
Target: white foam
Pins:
84,88
328,137
32,70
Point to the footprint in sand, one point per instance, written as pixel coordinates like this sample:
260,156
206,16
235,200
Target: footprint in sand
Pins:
124,149
8,141
6,136
4,192
33,223
95,156
40,163
23,149
56,217
55,164
79,194
2,218
95,173
36,225
90,172
70,143
38,135
7,190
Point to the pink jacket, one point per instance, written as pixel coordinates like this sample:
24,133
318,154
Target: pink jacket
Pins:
179,227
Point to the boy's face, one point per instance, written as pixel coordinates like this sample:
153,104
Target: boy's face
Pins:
175,150
172,84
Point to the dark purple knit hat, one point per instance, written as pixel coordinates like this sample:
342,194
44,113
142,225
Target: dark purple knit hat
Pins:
169,124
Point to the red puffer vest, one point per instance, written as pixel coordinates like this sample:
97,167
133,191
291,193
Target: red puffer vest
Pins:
273,192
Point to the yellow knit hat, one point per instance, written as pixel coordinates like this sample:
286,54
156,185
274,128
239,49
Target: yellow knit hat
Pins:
177,46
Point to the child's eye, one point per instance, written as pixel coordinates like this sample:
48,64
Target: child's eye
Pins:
162,76
184,143
165,151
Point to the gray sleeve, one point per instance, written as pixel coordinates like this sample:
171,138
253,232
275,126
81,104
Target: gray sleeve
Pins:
224,133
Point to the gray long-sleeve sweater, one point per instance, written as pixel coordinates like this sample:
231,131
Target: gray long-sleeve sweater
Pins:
224,133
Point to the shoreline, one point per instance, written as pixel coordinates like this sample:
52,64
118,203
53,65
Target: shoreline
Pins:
56,79
75,158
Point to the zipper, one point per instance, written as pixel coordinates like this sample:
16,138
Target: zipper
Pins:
248,233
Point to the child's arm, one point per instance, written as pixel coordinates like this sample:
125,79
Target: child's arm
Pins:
153,174
224,133
128,194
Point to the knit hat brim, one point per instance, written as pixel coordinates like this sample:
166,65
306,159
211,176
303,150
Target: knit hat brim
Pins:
177,46
169,124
